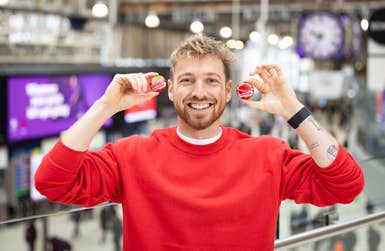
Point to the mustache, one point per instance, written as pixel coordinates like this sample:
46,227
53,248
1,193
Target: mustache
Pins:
196,99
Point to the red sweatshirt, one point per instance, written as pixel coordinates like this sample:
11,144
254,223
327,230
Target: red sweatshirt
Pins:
178,196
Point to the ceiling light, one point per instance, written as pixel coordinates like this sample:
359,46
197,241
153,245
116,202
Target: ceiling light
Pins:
152,20
273,39
364,24
4,2
197,26
239,45
100,10
235,44
225,32
285,42
254,36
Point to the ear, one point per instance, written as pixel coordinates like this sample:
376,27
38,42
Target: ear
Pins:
229,86
170,90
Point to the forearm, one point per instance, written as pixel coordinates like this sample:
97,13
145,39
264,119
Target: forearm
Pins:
279,98
79,136
323,147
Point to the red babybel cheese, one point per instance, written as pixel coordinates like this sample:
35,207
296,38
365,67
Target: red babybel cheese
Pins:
245,90
157,83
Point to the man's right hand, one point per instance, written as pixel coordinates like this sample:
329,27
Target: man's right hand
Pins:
128,90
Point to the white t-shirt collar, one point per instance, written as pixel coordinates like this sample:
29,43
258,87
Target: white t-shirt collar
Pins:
199,141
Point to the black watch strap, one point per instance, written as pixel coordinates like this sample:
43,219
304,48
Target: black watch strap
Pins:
300,116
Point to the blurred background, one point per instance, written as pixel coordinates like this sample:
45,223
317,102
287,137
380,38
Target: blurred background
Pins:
58,56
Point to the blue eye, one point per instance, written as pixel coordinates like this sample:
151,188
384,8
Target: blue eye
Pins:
212,80
185,80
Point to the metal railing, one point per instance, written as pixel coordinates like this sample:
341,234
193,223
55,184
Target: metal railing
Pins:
328,231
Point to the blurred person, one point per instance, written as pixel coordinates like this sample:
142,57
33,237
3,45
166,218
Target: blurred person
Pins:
266,124
373,238
303,219
76,217
299,221
324,217
31,235
116,229
293,140
350,240
293,222
373,235
58,244
344,242
106,219
199,185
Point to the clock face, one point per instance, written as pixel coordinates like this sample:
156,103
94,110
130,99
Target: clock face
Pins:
321,36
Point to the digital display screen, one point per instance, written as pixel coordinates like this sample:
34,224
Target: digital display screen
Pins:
39,106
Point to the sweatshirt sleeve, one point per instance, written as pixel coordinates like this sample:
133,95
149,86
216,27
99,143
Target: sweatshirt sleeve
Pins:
304,182
81,178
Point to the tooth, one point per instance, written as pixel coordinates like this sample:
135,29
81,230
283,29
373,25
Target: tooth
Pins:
199,106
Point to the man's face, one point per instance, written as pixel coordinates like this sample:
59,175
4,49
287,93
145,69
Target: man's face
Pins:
199,91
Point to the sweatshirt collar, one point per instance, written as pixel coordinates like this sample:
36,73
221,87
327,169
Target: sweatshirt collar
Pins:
194,149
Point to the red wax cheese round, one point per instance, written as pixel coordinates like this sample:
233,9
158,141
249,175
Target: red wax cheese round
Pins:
245,90
158,83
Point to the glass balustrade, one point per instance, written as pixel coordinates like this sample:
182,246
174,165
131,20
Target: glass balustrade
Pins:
83,229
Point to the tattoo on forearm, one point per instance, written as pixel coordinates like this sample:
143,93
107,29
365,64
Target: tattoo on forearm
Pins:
332,152
315,124
313,146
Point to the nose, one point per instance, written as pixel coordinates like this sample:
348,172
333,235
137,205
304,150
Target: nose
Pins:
199,90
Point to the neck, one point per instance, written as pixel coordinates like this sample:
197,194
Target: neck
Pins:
209,132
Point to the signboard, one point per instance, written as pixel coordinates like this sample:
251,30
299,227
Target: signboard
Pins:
40,106
377,26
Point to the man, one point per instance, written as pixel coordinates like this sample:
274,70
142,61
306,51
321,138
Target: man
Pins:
199,185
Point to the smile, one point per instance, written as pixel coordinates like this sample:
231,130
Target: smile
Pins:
199,106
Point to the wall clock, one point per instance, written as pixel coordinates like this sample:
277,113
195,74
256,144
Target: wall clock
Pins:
320,36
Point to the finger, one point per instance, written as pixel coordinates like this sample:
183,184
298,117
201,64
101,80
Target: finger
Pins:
256,70
123,81
271,71
254,104
148,95
153,94
278,70
259,69
259,85
149,75
138,83
143,80
263,74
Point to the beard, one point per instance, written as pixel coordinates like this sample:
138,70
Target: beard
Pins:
199,122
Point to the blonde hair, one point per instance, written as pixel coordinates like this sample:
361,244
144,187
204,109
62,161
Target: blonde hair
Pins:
200,46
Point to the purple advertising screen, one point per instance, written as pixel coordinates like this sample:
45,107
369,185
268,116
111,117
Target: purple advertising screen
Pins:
39,106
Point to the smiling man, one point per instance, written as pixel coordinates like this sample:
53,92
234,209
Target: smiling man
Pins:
199,94
199,185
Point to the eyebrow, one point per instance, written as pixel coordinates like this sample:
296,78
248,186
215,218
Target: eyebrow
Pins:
189,74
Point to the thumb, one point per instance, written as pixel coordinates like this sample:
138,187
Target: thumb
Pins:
148,95
139,98
254,104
